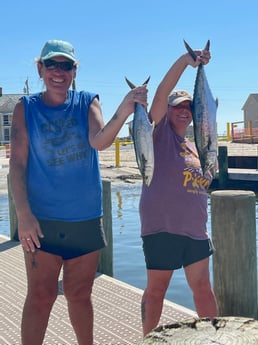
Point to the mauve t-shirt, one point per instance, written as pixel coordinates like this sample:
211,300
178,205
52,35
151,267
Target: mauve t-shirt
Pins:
176,200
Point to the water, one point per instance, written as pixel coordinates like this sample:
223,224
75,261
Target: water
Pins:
4,216
129,265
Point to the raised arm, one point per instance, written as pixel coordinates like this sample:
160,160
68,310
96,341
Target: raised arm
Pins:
102,136
160,101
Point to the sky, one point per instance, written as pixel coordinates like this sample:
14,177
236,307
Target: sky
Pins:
136,39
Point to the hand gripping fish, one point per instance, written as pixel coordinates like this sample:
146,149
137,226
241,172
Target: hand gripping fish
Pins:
204,119
142,131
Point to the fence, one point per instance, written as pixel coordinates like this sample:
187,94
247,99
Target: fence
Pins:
245,131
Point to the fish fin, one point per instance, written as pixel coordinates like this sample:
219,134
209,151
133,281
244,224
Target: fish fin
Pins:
132,86
190,51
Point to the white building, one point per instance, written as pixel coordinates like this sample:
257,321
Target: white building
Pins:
7,104
250,109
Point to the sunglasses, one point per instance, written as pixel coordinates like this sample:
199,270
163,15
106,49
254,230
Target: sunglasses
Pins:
63,65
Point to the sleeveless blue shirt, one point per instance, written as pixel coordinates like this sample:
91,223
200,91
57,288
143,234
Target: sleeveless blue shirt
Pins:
63,174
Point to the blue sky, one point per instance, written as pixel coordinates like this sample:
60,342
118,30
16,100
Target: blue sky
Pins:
135,38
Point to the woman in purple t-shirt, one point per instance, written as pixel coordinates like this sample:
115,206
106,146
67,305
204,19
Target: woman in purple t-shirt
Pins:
173,209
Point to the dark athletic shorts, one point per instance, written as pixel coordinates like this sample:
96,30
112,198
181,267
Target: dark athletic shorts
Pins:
164,251
72,239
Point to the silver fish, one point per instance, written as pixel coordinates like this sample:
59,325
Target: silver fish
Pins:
204,119
142,133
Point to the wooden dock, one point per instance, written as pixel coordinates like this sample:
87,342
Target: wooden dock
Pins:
116,306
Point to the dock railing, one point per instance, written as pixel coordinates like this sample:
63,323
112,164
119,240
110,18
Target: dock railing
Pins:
244,131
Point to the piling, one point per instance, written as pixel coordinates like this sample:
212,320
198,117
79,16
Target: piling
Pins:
117,146
106,257
12,214
224,331
7,151
233,224
223,166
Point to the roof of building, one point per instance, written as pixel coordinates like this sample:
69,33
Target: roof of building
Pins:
251,97
8,101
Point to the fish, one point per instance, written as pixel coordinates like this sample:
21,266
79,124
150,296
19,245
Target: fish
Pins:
142,134
204,110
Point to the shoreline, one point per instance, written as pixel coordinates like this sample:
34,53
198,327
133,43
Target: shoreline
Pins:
128,171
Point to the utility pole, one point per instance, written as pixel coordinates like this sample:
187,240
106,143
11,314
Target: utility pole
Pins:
26,89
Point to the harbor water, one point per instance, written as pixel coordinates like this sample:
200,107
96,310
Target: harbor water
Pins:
129,265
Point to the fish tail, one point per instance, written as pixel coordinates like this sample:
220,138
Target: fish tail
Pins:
192,53
132,86
207,47
146,81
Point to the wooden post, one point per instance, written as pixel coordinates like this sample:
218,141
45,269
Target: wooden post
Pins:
224,331
106,256
223,166
228,132
117,145
7,150
233,223
12,214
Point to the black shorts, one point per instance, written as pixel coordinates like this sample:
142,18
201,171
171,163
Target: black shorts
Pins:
72,239
165,251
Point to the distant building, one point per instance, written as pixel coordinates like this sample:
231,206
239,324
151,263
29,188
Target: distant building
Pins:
7,104
250,109
247,130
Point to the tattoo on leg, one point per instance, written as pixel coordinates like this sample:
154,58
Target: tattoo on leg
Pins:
143,311
33,261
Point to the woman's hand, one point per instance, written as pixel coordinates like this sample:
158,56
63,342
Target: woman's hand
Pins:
29,232
202,56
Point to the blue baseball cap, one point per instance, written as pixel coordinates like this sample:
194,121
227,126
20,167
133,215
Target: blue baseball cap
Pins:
54,48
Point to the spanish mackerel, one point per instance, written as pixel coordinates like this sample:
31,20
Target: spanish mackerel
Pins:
204,119
142,131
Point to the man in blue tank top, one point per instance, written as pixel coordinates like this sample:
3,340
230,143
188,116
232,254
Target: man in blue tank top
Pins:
56,186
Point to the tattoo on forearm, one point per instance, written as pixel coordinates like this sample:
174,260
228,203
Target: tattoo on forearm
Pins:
143,311
115,116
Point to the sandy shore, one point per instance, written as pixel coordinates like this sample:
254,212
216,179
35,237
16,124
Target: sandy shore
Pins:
127,172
